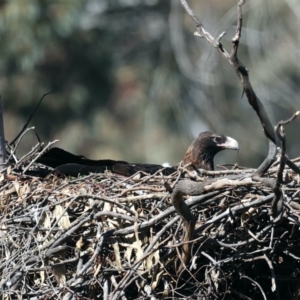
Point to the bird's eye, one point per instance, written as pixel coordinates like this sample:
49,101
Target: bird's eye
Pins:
216,138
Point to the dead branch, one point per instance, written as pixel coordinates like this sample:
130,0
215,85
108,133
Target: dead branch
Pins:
277,205
29,119
243,75
189,222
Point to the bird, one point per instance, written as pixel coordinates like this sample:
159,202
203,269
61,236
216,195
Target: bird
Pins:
201,153
68,164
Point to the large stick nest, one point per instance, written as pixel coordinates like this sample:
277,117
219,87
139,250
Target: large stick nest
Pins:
104,236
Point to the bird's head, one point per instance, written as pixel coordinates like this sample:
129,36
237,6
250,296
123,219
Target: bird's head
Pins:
203,149
216,142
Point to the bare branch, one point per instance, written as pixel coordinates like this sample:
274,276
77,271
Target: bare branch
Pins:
28,121
277,204
243,75
189,222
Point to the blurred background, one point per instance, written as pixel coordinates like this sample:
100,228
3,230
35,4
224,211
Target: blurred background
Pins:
130,81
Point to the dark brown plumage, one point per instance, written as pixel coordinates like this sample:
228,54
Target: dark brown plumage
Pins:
69,164
201,154
203,149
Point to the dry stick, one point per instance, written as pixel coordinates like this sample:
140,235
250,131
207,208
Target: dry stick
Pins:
27,156
40,154
287,161
27,259
31,116
292,255
106,288
273,287
243,75
19,140
105,199
189,222
237,208
145,178
292,165
126,278
64,262
58,219
104,236
114,215
224,172
187,270
255,283
65,234
144,257
83,179
115,284
277,204
191,202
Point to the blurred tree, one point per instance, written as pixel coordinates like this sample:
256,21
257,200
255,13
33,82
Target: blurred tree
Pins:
131,82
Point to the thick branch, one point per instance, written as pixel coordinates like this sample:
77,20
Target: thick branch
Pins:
277,204
188,187
189,223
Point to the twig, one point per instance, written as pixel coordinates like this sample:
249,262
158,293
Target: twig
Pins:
164,214
28,121
122,284
27,156
19,140
40,154
255,283
273,287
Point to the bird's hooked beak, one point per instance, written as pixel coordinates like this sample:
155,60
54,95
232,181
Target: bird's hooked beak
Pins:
230,143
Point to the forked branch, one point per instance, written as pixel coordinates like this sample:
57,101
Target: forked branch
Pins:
243,75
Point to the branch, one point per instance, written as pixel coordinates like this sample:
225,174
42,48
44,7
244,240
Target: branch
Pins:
257,284
115,294
277,204
31,116
189,222
44,150
243,75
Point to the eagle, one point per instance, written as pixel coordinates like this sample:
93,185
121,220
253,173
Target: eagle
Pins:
200,155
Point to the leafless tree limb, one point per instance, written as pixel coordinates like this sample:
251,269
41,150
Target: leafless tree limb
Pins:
243,75
277,204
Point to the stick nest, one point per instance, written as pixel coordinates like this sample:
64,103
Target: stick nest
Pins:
104,236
